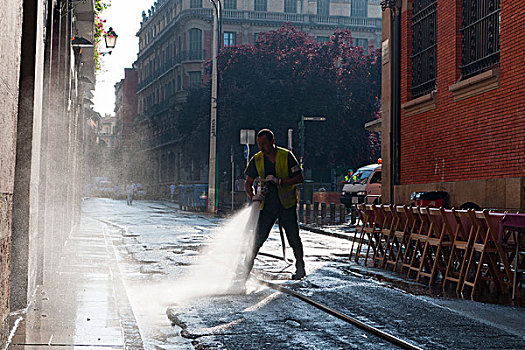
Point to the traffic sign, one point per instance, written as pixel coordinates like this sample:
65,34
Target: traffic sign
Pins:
247,136
246,151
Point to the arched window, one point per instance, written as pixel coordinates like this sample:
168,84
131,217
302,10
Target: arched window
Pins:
195,52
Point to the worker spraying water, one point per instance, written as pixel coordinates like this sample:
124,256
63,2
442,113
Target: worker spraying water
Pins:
279,173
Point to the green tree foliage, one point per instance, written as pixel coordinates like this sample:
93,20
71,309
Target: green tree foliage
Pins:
285,75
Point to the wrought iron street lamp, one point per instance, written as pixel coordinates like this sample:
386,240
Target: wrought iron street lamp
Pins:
111,39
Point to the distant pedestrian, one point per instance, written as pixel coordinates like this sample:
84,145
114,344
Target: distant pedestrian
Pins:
130,190
239,184
172,192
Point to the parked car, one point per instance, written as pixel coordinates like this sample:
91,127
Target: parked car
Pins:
105,188
363,187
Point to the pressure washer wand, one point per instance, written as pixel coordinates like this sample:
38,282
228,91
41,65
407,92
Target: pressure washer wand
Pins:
283,243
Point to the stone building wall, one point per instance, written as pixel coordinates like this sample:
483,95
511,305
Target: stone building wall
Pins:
5,262
10,22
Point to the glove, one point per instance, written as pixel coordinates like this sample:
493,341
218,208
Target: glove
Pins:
271,178
258,198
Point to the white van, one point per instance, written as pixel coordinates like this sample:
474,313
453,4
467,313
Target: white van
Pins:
363,187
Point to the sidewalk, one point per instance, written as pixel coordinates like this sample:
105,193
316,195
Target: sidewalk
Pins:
84,304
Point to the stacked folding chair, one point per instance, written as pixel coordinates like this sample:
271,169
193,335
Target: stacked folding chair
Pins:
398,243
385,214
482,268
460,250
418,224
512,244
368,231
465,248
437,244
360,231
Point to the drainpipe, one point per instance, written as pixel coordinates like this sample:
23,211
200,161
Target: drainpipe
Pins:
396,98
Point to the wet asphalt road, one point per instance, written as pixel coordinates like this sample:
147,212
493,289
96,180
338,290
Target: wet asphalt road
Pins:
158,244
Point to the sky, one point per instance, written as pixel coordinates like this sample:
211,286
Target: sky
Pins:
125,17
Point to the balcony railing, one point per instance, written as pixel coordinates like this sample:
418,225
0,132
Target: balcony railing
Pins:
185,56
158,140
295,18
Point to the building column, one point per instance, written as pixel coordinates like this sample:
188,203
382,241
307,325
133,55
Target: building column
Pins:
25,268
52,229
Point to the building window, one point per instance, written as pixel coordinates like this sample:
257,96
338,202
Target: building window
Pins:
359,8
290,6
359,42
480,36
195,79
260,5
230,38
230,4
424,46
195,4
323,39
323,7
195,52
255,37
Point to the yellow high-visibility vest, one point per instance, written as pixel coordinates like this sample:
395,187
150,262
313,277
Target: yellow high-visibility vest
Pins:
287,194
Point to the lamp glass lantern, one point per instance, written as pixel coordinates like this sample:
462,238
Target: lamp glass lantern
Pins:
111,38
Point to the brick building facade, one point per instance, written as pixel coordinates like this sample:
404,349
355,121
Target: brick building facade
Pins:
462,102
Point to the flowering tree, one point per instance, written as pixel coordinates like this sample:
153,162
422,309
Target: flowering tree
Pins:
287,75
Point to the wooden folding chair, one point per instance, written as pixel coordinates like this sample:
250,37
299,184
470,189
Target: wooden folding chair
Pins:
437,244
482,267
384,233
369,231
359,230
418,226
460,250
397,245
512,241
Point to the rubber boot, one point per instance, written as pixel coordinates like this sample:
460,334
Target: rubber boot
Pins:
300,272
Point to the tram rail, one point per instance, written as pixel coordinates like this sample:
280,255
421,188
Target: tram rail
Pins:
348,319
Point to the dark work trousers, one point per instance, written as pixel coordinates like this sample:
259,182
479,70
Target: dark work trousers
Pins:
267,217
